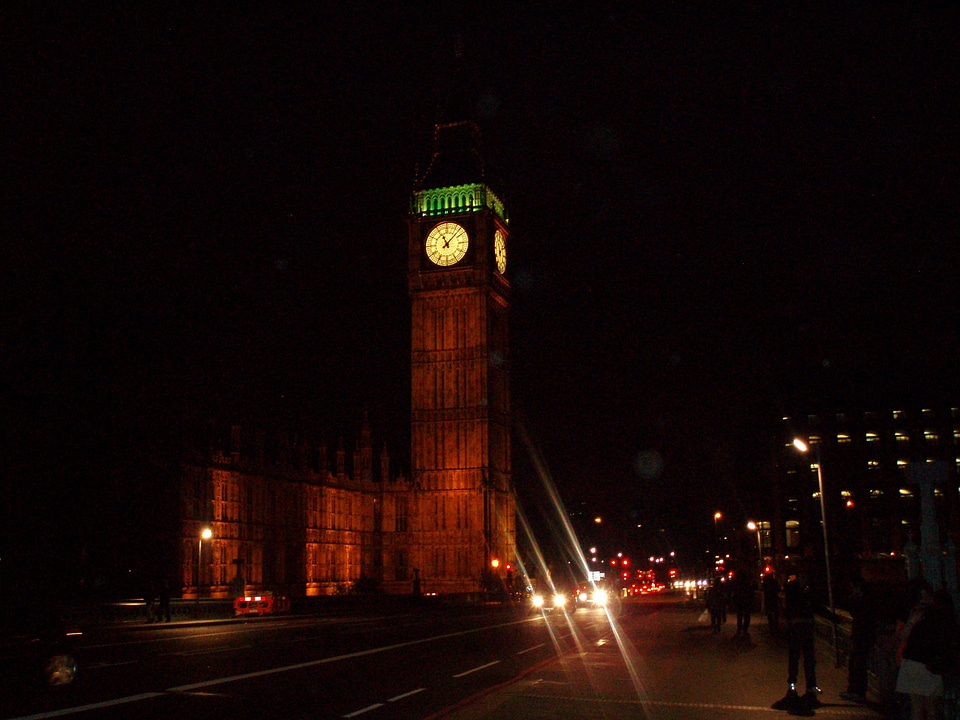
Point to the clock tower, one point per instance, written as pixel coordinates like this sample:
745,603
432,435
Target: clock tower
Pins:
464,510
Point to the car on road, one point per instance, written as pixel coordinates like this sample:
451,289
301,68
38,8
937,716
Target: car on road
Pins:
592,595
266,603
546,598
551,601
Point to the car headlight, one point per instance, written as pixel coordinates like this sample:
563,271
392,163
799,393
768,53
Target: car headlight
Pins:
538,600
559,600
600,597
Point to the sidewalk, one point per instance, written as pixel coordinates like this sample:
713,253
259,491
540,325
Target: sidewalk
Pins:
665,666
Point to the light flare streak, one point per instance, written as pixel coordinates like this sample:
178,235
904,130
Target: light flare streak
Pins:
574,548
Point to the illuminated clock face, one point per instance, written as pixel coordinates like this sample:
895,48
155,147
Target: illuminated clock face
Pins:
446,244
500,251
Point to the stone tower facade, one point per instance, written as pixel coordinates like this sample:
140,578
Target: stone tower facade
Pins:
464,510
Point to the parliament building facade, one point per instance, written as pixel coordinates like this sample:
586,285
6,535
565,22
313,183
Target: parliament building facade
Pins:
305,523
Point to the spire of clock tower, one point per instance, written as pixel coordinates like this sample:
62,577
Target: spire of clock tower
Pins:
457,154
455,159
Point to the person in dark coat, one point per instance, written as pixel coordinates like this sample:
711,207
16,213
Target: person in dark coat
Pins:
149,602
163,610
717,605
798,611
928,653
863,611
743,599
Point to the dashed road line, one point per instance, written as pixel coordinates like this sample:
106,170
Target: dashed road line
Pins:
477,669
395,698
361,711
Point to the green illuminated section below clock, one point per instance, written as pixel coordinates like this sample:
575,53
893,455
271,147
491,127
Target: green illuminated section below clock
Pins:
457,199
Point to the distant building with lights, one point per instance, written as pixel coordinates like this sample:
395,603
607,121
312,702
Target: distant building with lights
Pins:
870,462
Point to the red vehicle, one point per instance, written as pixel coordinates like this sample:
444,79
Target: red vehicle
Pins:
265,604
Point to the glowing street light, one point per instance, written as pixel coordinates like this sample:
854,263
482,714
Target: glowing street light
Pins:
803,447
717,517
755,528
205,534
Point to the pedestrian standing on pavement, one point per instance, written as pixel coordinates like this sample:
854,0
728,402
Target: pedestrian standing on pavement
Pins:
771,600
163,610
149,602
929,652
863,611
743,598
717,605
798,610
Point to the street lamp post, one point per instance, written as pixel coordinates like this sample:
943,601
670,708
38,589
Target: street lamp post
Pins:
803,447
717,516
205,534
755,528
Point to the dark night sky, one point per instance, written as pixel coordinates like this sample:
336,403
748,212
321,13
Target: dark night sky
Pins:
716,213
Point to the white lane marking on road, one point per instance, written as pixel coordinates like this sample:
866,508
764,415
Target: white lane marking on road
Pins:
263,673
168,638
191,653
361,711
100,666
477,669
91,706
336,658
405,695
531,649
